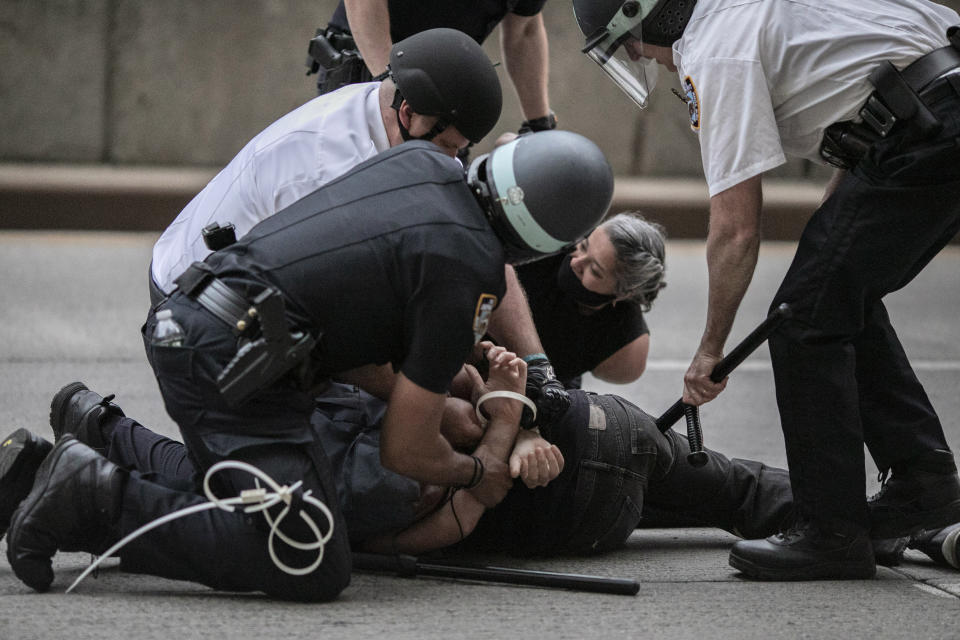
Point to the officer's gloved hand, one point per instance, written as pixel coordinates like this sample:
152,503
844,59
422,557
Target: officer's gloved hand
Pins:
544,123
545,390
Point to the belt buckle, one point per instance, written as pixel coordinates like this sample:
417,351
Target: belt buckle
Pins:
877,116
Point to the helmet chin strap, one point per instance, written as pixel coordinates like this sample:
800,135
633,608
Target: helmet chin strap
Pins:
439,126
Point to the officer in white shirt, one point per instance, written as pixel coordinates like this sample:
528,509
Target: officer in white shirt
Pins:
872,88
440,87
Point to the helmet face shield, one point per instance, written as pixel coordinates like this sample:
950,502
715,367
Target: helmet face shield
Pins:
636,78
607,46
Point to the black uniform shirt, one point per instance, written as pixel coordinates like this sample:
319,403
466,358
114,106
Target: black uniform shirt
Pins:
393,262
575,343
476,18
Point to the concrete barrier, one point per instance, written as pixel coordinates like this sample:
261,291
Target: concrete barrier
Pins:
148,198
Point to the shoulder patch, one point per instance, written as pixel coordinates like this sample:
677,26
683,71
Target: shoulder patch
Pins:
481,317
693,102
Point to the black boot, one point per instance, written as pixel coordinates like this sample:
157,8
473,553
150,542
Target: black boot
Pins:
888,552
78,411
20,456
922,493
74,506
806,552
943,545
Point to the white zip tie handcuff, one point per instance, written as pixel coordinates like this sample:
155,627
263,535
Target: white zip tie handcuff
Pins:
503,394
259,499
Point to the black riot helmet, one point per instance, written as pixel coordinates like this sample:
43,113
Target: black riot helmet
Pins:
445,73
609,24
542,192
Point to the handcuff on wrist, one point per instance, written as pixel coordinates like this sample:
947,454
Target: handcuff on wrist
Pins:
503,394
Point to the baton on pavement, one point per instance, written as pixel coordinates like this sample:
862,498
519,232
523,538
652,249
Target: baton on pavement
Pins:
697,456
408,566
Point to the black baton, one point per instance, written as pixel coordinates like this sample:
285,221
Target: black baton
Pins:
748,345
409,566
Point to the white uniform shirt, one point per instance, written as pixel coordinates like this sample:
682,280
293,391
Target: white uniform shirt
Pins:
294,156
766,77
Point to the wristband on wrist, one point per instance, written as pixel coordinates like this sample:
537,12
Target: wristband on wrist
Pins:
477,476
543,123
503,394
533,357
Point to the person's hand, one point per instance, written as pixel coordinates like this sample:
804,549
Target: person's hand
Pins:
534,460
461,386
496,480
505,372
698,388
504,138
459,424
545,390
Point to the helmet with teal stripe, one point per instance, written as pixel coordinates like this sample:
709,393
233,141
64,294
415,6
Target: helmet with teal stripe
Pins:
542,192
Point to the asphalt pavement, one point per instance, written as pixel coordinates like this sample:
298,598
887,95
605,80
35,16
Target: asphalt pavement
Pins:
71,305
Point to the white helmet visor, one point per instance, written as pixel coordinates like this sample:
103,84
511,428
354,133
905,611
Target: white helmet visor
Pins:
635,75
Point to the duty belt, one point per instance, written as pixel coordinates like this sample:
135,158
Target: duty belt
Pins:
899,96
269,349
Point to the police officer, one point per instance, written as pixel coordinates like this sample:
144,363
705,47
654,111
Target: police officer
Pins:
356,43
440,87
872,87
400,261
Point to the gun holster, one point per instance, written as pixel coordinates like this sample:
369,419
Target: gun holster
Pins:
334,57
268,350
265,359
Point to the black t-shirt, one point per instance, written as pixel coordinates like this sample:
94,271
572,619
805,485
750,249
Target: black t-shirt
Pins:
575,343
392,262
476,18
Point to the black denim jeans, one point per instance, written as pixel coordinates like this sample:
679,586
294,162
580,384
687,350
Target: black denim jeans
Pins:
623,469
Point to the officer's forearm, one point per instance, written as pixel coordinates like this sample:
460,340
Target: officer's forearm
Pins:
511,323
732,246
369,22
410,440
523,40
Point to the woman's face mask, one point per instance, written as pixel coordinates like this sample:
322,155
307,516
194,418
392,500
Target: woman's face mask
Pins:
570,284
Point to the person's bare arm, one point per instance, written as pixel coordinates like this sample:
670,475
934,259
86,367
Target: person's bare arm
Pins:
733,243
511,324
377,380
448,525
457,518
626,364
411,444
369,22
523,41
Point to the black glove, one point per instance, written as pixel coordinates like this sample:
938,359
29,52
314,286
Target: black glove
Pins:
544,123
546,392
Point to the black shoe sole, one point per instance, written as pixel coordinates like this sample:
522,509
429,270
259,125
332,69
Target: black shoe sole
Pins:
21,454
910,525
59,404
33,568
834,570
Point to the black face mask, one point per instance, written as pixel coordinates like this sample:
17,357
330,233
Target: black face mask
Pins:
570,284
